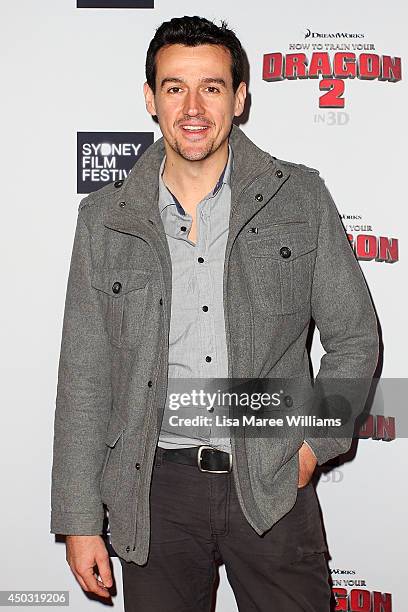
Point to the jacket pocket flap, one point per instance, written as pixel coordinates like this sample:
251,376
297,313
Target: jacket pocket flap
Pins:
118,282
285,247
114,431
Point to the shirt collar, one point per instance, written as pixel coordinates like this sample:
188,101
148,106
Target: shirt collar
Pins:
166,197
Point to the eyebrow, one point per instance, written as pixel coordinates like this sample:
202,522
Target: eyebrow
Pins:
204,80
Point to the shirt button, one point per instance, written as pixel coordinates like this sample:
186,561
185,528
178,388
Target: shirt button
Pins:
161,301
279,173
259,197
127,548
205,308
200,259
118,184
208,358
137,466
149,383
183,228
116,287
122,204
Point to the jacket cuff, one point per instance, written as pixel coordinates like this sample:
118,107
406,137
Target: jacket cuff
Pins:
73,523
328,448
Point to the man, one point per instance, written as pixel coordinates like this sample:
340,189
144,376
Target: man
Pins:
207,262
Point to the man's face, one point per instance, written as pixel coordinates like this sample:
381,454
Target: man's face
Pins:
194,100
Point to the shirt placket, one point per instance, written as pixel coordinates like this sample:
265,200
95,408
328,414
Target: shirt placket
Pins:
202,271
208,356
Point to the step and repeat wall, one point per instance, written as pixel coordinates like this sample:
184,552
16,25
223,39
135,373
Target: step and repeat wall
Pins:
327,90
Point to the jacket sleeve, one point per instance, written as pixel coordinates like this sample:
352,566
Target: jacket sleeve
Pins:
344,314
83,400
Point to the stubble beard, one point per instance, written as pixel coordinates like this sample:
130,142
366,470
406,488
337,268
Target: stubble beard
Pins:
192,155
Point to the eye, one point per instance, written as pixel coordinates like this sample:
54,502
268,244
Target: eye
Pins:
174,89
212,89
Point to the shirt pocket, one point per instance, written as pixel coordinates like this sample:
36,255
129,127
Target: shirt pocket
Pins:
281,266
123,297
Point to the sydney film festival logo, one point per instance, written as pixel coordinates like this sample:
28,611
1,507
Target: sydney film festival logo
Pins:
106,157
119,4
332,58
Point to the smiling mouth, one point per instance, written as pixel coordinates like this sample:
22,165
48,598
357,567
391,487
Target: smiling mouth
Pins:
191,128
194,128
194,132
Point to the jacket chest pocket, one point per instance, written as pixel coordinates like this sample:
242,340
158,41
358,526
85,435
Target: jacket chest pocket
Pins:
123,297
281,269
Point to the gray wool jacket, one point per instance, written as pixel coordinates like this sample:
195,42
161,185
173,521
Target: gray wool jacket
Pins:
297,265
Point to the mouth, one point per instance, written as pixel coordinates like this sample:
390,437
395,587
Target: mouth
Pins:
194,131
194,128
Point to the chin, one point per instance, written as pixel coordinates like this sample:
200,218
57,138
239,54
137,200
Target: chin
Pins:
194,154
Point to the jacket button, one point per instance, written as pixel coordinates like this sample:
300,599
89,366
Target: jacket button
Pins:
183,228
288,401
200,259
122,204
285,252
208,358
149,383
279,173
137,466
116,287
127,548
205,308
118,184
259,197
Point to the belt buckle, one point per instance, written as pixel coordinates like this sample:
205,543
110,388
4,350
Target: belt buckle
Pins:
200,449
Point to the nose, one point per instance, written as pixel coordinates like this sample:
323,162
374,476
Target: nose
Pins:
193,104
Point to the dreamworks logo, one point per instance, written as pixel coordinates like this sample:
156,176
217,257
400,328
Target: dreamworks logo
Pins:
309,34
105,157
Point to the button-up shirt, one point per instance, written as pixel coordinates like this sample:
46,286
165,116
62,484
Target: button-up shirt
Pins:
197,340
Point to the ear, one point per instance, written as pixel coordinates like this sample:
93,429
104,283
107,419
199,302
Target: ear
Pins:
149,99
240,96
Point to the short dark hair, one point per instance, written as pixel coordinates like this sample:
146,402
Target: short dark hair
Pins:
192,32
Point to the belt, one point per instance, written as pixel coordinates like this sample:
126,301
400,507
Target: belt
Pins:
206,458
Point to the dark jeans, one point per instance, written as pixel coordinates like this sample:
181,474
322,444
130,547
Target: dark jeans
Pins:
197,523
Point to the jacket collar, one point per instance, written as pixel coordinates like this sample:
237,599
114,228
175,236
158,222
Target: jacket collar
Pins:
141,186
140,191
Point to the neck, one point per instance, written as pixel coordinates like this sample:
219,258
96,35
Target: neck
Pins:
190,181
